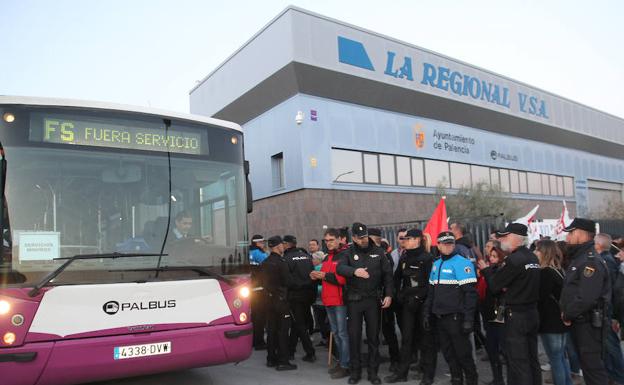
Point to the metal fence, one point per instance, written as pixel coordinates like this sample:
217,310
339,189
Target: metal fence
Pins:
478,227
615,227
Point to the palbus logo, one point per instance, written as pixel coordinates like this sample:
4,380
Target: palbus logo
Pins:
111,307
419,136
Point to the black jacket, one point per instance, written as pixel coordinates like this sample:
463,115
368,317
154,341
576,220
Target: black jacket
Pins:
551,283
378,267
275,277
489,305
587,285
412,276
519,274
301,286
618,297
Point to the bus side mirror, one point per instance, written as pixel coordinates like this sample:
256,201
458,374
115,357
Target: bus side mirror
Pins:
248,188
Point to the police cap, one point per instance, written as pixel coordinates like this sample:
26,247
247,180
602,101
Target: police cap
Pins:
581,224
359,230
374,231
413,233
275,241
513,228
446,237
290,239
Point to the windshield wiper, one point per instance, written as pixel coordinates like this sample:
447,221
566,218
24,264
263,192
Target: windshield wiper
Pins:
202,271
35,290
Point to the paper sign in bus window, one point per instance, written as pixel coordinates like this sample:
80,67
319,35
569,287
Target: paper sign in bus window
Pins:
38,245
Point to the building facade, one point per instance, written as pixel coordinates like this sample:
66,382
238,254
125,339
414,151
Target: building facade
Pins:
343,124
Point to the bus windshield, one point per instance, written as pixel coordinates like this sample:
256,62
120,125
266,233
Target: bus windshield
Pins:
114,187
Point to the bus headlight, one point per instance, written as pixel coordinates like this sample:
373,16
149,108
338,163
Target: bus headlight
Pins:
8,117
8,338
5,306
243,317
244,292
237,303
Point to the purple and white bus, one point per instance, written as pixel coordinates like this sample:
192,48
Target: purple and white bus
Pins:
123,242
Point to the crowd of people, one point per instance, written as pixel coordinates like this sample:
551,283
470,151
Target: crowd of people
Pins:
450,297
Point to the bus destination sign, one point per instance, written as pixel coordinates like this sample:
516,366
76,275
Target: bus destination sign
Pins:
64,130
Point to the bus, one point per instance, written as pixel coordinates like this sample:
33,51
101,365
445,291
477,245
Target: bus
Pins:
124,241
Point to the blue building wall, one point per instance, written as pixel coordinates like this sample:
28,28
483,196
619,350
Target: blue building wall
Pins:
348,126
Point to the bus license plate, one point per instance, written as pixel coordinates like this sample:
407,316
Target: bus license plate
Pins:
135,351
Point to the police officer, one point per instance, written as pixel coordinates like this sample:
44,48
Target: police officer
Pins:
519,276
584,299
275,278
257,255
301,296
412,286
452,300
368,272
388,320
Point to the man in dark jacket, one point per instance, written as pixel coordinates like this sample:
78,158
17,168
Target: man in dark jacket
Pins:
519,275
275,278
463,244
301,296
452,300
368,273
585,298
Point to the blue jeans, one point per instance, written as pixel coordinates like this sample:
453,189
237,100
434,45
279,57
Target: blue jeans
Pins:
575,365
338,323
614,362
554,345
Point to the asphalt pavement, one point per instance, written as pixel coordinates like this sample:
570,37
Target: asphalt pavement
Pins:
254,372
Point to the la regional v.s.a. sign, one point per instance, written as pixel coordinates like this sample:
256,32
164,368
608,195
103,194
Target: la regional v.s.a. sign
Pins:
446,79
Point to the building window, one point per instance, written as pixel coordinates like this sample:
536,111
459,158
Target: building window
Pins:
535,183
545,185
404,175
560,186
514,181
504,180
495,177
480,174
371,168
460,175
277,170
553,184
437,173
568,186
418,172
522,177
386,169
346,166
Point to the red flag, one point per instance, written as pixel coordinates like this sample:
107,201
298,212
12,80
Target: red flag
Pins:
438,222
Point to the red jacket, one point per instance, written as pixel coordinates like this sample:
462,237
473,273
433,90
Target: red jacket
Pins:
331,295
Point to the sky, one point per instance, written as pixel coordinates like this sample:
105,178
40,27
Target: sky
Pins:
152,52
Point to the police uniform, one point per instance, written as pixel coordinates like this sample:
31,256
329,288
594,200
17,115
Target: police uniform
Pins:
363,300
258,297
412,284
301,296
584,299
275,277
388,319
452,300
519,276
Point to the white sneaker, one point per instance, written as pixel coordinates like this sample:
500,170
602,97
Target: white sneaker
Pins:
545,367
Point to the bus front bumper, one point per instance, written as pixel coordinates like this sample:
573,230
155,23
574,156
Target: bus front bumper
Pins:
93,359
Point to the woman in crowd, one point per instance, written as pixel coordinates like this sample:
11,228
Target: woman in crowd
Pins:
552,330
491,306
